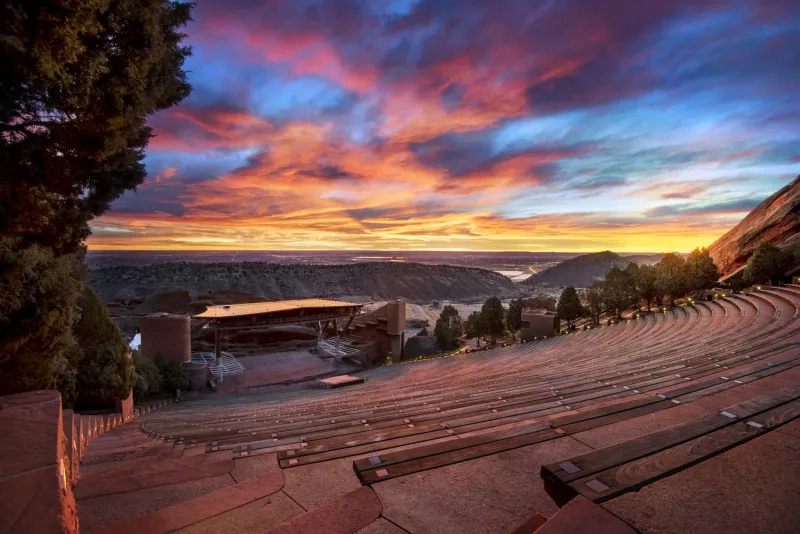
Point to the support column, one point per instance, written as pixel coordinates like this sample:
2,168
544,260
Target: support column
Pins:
218,352
217,343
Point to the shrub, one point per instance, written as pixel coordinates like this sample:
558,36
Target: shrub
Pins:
147,377
172,375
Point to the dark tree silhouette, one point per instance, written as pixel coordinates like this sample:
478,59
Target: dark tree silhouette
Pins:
77,82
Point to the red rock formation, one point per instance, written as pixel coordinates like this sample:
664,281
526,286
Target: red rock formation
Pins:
776,220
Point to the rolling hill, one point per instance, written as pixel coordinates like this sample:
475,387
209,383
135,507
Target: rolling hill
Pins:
412,281
580,271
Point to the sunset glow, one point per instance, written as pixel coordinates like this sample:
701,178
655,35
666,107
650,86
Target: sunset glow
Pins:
570,125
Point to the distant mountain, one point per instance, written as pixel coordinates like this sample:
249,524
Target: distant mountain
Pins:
579,272
776,220
413,281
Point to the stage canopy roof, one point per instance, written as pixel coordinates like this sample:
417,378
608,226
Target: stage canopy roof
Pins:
281,307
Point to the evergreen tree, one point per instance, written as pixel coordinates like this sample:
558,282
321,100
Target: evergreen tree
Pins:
619,291
767,265
594,301
78,80
494,317
172,376
632,271
671,278
569,306
514,317
646,279
475,326
701,270
104,372
448,328
38,298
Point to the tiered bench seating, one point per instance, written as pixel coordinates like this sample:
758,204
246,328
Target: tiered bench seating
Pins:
408,419
606,473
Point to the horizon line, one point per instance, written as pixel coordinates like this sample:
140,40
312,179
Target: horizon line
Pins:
346,250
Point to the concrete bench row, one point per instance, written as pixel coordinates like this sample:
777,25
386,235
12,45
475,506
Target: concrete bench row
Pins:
418,418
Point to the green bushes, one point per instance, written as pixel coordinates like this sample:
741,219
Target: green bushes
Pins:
148,377
101,372
172,376
157,377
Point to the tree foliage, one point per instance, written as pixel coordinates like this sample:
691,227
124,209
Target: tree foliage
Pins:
494,317
104,372
768,264
701,271
569,306
514,315
672,281
38,297
475,326
172,376
77,82
147,377
594,301
645,279
79,79
448,327
619,291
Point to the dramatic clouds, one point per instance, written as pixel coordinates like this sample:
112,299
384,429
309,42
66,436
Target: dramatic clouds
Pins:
465,124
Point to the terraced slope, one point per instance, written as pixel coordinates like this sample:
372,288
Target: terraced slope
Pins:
457,444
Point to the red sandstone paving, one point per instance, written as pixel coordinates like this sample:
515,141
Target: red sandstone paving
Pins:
313,485
108,467
109,509
491,494
793,428
581,516
753,488
152,479
175,517
253,466
345,515
256,516
381,526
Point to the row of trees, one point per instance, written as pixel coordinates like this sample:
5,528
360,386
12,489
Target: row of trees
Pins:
492,321
78,82
641,285
769,264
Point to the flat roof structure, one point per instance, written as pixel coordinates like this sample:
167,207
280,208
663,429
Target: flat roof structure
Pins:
262,308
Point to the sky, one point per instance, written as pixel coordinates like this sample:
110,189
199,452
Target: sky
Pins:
519,125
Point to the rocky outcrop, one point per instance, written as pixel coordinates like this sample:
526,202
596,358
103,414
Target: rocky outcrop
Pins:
581,271
776,220
412,281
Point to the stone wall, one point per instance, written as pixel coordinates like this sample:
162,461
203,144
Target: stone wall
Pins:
36,468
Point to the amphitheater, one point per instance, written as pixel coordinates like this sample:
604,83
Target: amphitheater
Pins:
680,421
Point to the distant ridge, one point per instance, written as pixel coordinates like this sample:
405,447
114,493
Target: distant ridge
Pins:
776,220
377,280
579,272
